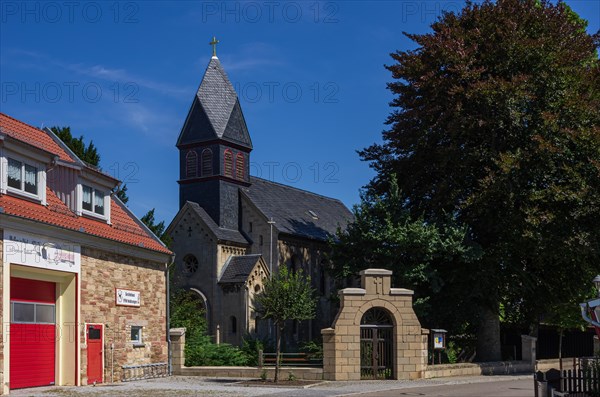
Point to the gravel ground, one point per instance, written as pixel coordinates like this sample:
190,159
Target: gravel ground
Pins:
227,387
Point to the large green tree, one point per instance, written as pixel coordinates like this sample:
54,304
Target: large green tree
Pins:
496,123
427,258
286,296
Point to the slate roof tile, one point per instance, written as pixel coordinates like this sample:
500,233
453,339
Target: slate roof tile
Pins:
215,112
298,212
221,233
238,268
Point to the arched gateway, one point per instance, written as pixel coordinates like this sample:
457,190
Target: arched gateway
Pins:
376,344
376,334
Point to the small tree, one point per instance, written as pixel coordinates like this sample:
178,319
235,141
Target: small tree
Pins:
286,296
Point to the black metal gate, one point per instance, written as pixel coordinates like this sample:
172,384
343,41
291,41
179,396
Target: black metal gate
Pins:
376,345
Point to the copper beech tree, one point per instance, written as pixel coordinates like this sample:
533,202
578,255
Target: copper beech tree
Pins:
496,126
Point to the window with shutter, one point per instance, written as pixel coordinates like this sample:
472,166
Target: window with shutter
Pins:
228,163
191,164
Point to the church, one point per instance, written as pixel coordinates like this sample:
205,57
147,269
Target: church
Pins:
232,229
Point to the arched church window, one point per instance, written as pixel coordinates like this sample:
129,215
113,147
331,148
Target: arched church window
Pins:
228,163
295,263
207,157
233,321
190,263
322,277
191,164
239,166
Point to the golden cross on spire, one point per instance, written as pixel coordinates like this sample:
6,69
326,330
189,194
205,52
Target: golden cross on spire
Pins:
214,43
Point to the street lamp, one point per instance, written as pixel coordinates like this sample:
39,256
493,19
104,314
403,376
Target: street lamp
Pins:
596,282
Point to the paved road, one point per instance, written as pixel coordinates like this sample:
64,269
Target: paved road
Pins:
510,388
184,386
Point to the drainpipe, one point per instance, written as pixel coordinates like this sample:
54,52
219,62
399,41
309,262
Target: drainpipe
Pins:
169,352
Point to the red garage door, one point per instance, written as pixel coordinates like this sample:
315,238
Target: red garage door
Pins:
32,333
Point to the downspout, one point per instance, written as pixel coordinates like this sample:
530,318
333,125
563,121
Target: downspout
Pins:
169,352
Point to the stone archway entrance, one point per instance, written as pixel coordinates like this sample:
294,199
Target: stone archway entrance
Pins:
376,345
376,333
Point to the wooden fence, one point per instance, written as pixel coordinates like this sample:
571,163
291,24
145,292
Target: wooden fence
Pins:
583,381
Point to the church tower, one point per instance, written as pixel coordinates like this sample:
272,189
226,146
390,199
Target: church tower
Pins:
214,148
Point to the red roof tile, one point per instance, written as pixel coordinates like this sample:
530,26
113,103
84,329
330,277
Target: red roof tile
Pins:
34,136
123,228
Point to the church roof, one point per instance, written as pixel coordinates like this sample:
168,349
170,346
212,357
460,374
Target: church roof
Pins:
238,268
216,112
220,233
298,212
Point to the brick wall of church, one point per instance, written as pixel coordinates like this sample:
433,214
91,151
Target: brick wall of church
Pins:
311,257
101,273
190,237
260,228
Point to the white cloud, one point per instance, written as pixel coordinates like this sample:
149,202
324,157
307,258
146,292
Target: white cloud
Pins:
96,71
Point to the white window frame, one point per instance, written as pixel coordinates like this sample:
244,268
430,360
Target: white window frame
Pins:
40,196
140,340
94,187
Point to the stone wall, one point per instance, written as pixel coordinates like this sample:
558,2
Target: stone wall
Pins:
475,369
179,368
101,273
341,342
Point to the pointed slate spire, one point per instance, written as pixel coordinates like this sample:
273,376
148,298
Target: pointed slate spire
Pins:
216,112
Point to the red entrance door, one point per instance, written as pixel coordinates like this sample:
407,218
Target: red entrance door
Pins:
94,353
32,333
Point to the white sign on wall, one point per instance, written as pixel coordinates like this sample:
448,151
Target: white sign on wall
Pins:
42,252
127,297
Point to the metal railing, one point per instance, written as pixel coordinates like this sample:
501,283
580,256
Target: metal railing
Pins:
145,371
289,360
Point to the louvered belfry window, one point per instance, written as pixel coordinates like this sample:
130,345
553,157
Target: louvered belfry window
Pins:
191,164
239,166
207,169
228,163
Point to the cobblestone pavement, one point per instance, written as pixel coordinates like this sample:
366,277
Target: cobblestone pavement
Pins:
227,387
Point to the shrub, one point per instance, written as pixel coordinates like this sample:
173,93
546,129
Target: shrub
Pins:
187,311
314,349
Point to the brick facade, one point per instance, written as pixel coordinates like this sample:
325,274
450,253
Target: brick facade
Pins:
98,306
102,272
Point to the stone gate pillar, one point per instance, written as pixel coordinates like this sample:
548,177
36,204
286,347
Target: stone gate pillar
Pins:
341,342
177,349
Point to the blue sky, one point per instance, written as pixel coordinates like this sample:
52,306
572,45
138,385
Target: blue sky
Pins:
309,74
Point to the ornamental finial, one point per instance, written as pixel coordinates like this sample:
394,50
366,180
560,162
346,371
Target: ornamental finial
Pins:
214,43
